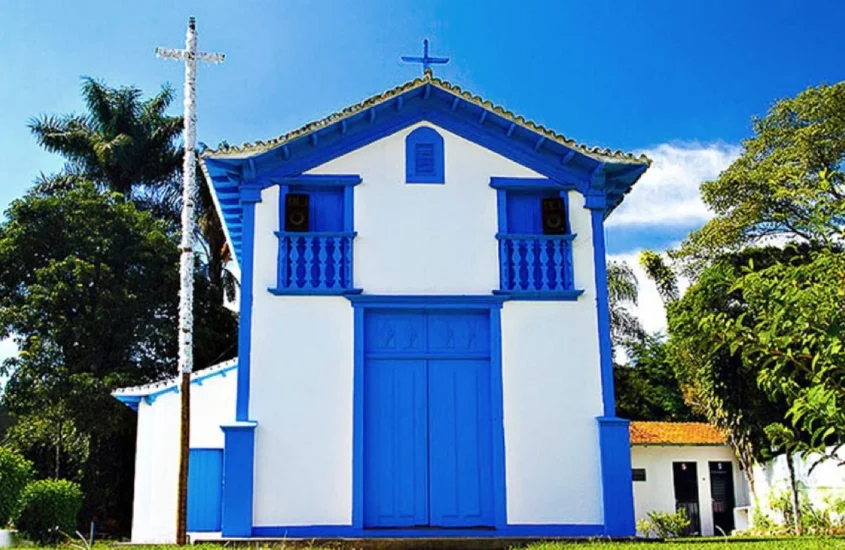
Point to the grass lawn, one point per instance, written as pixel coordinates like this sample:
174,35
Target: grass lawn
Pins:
692,544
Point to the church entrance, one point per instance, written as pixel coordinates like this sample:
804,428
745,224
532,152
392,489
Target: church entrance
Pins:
427,419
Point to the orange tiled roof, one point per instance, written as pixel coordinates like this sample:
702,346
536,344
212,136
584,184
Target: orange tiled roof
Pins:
675,433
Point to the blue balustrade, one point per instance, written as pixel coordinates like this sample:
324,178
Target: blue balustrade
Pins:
536,263
314,263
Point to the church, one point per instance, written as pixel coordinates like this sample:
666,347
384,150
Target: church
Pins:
424,340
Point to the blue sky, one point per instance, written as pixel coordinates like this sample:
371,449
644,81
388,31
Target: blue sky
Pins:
678,80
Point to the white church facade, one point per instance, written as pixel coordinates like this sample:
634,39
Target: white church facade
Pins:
424,345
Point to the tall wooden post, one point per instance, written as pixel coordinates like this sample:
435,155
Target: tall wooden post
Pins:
186,260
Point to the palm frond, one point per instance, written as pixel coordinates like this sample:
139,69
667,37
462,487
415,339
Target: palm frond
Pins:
622,285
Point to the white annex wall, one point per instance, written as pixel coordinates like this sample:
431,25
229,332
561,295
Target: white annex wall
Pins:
657,493
552,396
825,481
422,239
156,459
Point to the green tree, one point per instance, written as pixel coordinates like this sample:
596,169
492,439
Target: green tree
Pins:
718,380
89,291
646,387
796,336
122,142
622,292
786,182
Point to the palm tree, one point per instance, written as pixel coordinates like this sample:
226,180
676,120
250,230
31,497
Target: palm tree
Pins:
622,291
123,142
129,145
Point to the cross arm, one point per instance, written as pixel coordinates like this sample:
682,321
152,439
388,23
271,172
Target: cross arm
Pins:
171,53
211,57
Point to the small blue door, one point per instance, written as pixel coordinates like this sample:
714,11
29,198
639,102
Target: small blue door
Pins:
205,489
427,419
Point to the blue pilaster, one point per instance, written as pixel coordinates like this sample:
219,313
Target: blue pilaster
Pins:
617,485
614,439
249,195
238,455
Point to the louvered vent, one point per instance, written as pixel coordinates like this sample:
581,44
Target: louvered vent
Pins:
424,159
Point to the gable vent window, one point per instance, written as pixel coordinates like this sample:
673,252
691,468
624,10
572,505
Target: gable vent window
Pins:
424,156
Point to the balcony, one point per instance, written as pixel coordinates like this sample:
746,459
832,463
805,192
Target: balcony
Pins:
314,263
537,267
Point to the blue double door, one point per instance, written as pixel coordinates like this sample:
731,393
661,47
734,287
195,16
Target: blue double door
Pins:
428,422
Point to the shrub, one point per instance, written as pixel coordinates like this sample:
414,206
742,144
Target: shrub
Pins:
48,510
15,473
665,524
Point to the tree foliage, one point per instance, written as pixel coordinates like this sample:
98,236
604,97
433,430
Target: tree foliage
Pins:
122,141
646,387
793,328
622,292
787,181
89,290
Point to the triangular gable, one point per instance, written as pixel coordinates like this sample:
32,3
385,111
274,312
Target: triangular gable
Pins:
427,98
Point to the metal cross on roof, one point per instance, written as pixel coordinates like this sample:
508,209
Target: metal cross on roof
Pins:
425,60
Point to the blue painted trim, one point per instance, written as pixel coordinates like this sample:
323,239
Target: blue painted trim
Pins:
554,160
350,532
250,194
358,420
314,291
349,209
425,135
467,302
238,478
315,234
502,210
500,497
530,184
603,313
550,296
328,180
131,401
567,237
446,301
617,483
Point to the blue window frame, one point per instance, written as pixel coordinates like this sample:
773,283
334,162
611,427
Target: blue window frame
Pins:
424,160
533,265
319,259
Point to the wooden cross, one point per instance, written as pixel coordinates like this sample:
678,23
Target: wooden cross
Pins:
186,260
425,60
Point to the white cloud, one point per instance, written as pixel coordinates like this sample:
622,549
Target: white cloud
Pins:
668,193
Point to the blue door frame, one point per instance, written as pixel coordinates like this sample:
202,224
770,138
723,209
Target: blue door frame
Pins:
487,308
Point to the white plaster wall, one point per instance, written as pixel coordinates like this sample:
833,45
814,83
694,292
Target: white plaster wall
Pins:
425,238
157,453
300,395
827,480
657,493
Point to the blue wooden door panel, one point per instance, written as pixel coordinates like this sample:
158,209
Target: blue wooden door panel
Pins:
205,489
394,332
458,333
460,443
395,444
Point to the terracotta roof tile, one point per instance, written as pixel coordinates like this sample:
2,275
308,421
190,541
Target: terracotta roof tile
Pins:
675,433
